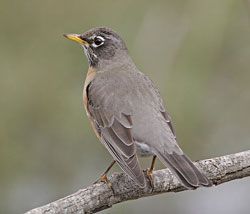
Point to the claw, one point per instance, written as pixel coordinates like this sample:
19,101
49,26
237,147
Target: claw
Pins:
105,180
104,177
149,174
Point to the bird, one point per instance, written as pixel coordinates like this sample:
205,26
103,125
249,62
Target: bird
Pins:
127,112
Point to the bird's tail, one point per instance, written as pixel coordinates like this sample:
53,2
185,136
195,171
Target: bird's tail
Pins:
184,169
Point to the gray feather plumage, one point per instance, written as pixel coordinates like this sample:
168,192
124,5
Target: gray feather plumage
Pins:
116,96
128,112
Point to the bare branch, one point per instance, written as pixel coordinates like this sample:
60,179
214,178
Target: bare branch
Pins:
99,196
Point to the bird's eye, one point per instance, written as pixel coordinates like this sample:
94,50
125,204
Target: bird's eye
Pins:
98,41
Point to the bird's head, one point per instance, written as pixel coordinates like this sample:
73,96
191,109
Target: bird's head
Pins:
101,46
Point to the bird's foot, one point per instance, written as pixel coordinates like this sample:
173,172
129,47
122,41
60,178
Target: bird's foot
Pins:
149,174
105,180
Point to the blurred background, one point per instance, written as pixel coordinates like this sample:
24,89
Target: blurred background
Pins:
196,52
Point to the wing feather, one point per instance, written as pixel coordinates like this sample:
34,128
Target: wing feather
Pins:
115,124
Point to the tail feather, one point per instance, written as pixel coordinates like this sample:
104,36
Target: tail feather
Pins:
203,180
184,169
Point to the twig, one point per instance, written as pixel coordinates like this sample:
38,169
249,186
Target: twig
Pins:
99,196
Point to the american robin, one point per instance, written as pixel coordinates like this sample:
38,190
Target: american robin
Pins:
127,112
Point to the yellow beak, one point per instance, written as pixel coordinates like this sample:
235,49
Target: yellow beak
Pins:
76,38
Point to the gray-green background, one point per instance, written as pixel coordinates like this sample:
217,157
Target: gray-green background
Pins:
197,53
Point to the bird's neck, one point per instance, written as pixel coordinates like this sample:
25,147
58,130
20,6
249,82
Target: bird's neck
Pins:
118,61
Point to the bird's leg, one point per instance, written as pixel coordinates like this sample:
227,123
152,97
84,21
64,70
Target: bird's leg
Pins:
149,171
103,177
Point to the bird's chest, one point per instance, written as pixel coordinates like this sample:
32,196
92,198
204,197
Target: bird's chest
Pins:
89,77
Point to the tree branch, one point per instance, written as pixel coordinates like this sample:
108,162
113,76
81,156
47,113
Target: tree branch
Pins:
99,196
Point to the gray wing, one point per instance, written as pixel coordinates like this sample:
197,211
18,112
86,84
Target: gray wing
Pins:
111,115
162,139
152,94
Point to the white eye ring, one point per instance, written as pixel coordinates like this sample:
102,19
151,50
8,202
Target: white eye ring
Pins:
98,41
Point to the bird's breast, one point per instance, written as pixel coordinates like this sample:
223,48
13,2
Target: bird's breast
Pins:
89,77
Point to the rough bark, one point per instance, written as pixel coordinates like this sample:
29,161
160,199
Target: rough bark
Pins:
99,196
